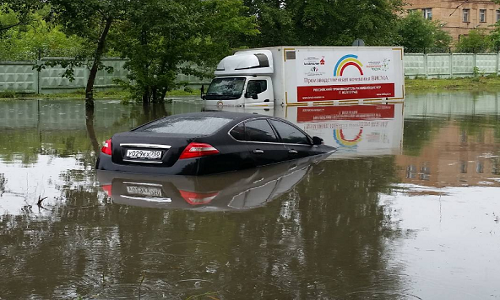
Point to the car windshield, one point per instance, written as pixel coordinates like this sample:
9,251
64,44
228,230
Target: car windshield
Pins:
226,88
186,125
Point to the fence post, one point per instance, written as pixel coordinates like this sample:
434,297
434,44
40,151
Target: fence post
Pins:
474,62
498,61
36,77
451,65
425,66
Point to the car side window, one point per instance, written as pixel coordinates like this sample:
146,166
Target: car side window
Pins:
290,134
259,131
238,132
255,87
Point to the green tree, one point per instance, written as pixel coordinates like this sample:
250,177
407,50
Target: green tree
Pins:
19,12
90,20
324,22
275,23
475,42
495,37
442,39
417,34
199,32
37,39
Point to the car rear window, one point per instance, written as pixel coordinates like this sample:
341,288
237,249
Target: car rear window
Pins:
186,125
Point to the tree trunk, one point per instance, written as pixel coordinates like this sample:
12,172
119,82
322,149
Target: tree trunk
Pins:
89,90
155,94
163,94
145,96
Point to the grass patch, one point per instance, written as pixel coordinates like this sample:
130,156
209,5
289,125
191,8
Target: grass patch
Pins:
486,83
80,94
8,94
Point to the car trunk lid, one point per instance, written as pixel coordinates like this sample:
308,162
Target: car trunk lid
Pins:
148,148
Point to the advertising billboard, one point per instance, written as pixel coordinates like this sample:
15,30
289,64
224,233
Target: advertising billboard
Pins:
351,73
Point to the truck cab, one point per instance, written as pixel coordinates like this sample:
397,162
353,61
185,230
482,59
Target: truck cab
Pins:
243,79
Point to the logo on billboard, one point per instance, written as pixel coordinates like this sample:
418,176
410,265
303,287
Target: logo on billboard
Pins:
349,60
314,71
338,135
382,65
311,61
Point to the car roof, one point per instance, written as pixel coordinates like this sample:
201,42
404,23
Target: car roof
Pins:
235,116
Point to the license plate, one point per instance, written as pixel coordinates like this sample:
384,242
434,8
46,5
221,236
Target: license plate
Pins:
144,154
144,191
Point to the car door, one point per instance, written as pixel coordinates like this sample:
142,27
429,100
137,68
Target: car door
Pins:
263,143
297,143
259,90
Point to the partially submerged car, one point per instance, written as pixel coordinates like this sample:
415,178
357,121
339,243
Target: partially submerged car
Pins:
207,143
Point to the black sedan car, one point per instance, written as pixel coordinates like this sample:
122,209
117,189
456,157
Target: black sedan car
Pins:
207,143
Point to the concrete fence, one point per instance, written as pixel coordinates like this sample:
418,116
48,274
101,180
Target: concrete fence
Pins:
449,65
23,77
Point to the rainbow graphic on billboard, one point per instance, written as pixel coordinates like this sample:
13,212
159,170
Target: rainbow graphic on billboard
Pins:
346,61
338,135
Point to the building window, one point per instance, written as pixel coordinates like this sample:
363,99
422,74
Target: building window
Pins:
427,13
482,15
466,15
498,15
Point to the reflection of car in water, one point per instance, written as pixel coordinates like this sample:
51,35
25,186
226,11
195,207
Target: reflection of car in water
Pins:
207,143
231,191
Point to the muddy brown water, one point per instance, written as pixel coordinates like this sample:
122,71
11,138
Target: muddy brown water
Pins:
407,208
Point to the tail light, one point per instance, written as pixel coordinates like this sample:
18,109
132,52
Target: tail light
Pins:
106,147
194,198
198,150
107,189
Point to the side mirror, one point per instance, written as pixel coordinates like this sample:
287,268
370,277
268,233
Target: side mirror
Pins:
253,96
317,140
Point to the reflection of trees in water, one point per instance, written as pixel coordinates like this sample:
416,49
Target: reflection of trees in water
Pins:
25,144
89,124
3,182
327,237
139,115
419,132
345,227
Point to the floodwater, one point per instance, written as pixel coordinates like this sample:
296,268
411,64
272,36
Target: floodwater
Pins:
407,208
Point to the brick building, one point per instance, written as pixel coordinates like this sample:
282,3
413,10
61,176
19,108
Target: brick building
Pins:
458,17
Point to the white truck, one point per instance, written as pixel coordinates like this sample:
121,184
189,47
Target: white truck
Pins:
308,75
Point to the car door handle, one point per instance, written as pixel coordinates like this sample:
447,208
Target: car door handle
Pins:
293,152
258,151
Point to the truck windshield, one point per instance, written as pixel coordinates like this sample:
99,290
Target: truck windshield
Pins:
226,88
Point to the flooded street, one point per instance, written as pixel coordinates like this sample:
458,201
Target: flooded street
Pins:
407,208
